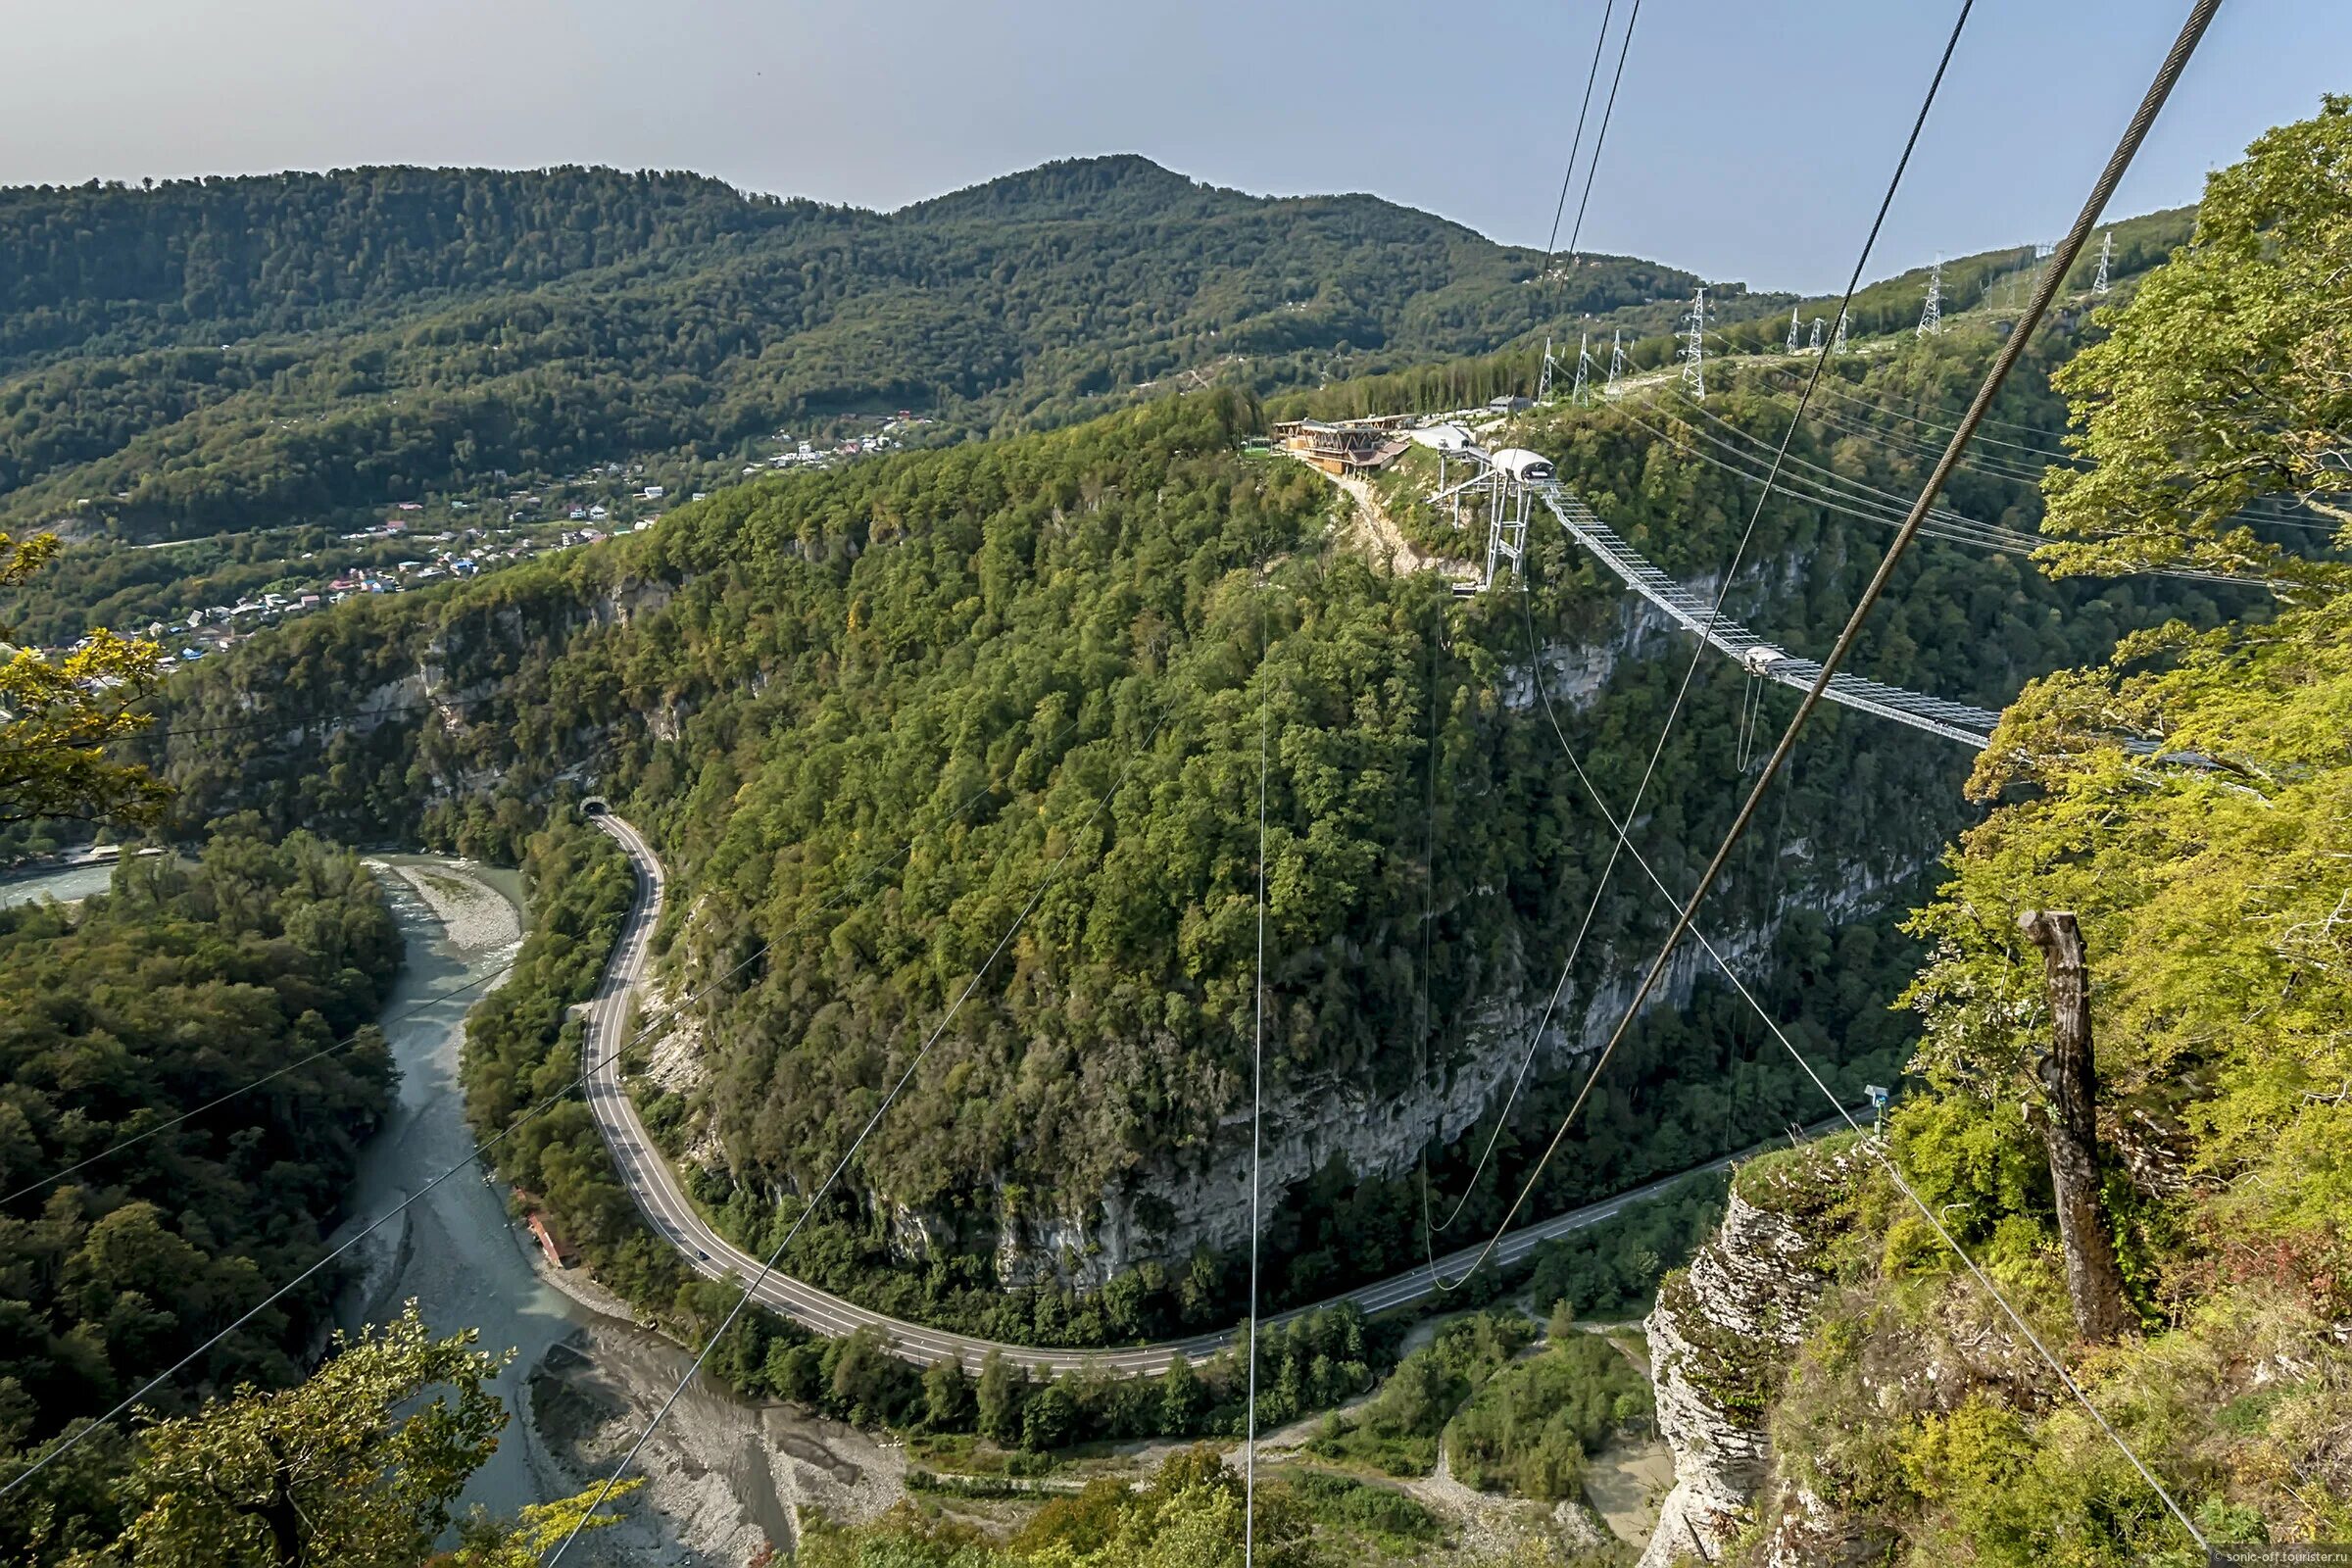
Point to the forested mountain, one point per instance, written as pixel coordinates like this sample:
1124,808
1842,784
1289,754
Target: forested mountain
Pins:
186,980
223,354
967,647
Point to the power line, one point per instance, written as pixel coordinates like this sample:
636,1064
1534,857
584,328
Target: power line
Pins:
2011,349
768,1267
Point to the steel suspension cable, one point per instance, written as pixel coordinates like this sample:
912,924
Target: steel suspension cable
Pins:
2012,348
1577,143
1257,1079
1884,1156
1698,651
1593,170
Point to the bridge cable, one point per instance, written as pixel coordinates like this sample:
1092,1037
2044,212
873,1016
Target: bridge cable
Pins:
1959,530
2005,360
1884,1156
1850,506
1714,613
2015,469
1045,885
1830,491
1593,169
2012,468
1568,174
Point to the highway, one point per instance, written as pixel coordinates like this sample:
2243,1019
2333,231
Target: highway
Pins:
654,1185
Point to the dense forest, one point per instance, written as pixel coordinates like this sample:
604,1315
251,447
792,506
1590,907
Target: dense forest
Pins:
965,651
225,354
188,979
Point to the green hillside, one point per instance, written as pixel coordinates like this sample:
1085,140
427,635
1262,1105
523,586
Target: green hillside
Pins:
785,681
221,354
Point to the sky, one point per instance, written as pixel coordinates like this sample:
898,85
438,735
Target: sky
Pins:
1752,138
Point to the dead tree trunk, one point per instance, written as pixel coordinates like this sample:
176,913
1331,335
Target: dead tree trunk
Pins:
2070,1128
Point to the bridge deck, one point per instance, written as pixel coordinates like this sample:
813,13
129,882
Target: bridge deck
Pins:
1955,722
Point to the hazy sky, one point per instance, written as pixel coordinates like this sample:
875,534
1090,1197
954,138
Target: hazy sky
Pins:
1751,141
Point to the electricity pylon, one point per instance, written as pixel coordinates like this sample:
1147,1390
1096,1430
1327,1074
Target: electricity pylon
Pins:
1931,315
1838,344
1791,349
2098,284
1584,368
1544,377
1813,344
1616,358
1694,345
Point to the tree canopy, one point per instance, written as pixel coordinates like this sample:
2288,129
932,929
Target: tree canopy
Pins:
2221,382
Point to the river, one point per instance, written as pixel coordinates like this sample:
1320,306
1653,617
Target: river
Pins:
69,886
459,1256
586,1376
576,1374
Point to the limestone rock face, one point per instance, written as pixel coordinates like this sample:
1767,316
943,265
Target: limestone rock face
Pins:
1719,1338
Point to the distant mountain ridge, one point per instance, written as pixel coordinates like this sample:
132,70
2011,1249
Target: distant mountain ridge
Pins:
217,354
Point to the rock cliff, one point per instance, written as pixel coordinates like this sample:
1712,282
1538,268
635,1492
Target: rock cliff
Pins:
1720,1338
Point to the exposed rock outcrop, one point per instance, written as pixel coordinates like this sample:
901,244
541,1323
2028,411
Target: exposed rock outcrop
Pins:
1720,1339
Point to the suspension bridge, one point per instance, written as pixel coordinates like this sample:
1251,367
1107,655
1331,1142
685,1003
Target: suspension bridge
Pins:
1513,480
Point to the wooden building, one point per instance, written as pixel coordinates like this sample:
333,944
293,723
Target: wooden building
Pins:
1342,446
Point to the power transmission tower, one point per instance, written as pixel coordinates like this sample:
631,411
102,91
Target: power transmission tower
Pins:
1694,350
1616,358
1930,316
1544,377
2098,284
1813,345
1791,330
1838,344
1584,368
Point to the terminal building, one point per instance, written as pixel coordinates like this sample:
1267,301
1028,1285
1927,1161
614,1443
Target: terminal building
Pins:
1345,445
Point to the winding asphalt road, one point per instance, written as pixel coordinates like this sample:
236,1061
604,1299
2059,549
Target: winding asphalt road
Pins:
654,1185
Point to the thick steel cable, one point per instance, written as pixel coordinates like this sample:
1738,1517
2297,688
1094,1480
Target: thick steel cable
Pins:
1258,1078
1698,653
1045,885
1878,1149
1601,137
1577,143
2012,348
